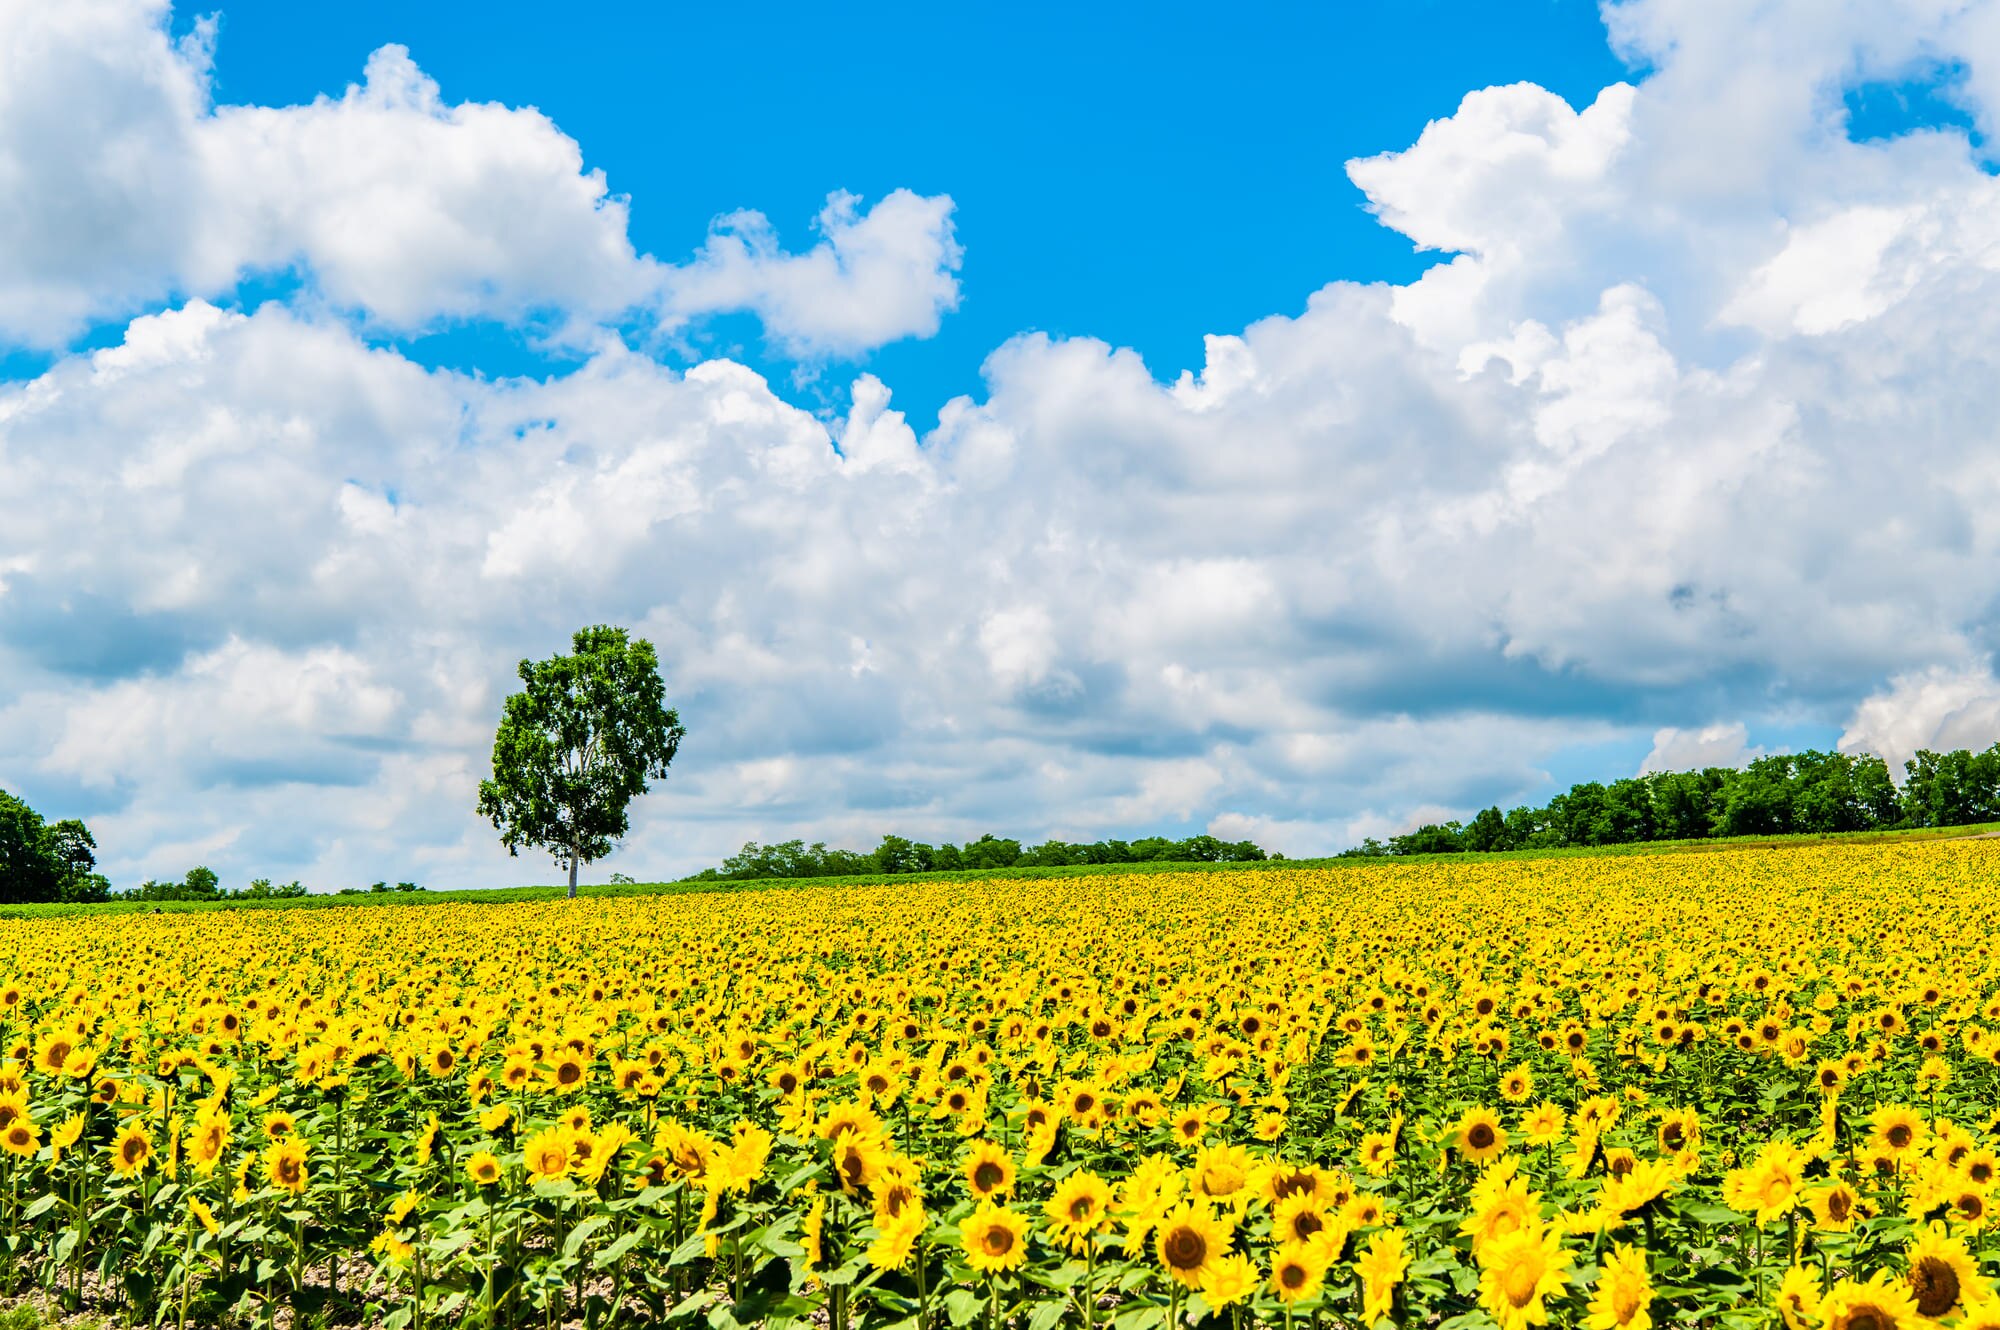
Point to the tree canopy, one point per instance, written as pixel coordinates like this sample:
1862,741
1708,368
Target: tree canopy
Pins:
577,744
45,861
1784,794
899,854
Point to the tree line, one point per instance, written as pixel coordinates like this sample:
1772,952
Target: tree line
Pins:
900,854
42,861
1789,793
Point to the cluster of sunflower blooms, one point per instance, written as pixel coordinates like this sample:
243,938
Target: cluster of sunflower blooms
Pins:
1611,1092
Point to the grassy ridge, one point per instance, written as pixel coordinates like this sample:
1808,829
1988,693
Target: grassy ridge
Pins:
507,895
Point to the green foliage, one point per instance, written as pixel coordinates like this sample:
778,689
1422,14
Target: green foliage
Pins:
46,861
1789,794
898,855
577,744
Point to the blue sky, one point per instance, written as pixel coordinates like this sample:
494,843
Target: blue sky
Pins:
1105,186
1285,421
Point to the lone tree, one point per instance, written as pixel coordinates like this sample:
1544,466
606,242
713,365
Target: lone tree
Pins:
577,744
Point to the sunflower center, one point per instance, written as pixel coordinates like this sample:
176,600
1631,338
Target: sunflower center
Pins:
1080,1209
988,1175
998,1241
1185,1249
1305,1224
1899,1136
1837,1207
1292,1275
1480,1136
1520,1281
1936,1285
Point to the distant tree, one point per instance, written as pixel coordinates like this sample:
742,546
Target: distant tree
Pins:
1686,804
262,888
991,851
1431,838
898,854
1487,831
1952,789
31,868
577,744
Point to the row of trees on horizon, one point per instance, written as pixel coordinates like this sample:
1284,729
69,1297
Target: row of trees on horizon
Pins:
899,854
1785,794
1809,792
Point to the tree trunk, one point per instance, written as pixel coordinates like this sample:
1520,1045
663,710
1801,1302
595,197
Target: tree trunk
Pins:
572,871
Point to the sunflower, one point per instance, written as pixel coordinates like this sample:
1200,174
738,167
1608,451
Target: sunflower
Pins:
208,1140
1500,1212
896,1240
1479,1136
483,1168
854,1119
53,1054
1769,1185
1680,1129
1517,1084
1381,1268
1895,1130
426,1140
1188,1125
131,1149
1298,1218
1364,1210
1377,1152
858,1161
546,1154
1624,1293
1298,1270
568,1071
1082,1104
995,1238
1941,1272
1079,1207
203,1216
21,1137
1883,1303
285,1165
1229,1280
66,1134
1835,1207
1519,1272
989,1171
1221,1172
898,1190
279,1125
1799,1299
1190,1238
1543,1124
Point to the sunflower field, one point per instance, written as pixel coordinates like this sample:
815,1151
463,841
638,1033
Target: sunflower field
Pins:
1735,1089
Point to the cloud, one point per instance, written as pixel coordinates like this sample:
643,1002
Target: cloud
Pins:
1631,459
126,187
1939,708
1721,745
875,277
